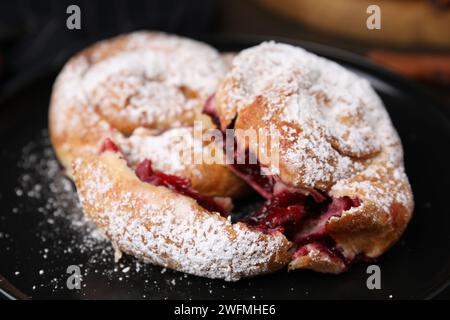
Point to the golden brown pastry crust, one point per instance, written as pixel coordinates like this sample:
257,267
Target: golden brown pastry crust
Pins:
139,89
153,223
336,137
99,94
165,228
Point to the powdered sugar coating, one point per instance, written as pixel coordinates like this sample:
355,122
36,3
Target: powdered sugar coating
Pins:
332,144
166,149
336,132
155,81
171,230
143,80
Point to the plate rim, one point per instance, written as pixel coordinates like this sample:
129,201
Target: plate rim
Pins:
341,56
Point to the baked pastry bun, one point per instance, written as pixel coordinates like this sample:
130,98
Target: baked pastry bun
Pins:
166,228
120,113
143,91
340,173
121,116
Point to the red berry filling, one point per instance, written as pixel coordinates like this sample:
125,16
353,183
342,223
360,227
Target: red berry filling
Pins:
178,184
283,212
315,228
251,174
109,145
302,219
209,110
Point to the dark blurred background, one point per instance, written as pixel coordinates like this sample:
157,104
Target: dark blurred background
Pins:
414,39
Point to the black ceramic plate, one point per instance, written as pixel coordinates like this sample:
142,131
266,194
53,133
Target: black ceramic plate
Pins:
42,232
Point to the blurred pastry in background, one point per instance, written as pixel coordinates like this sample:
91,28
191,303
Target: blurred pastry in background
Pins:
403,22
426,67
